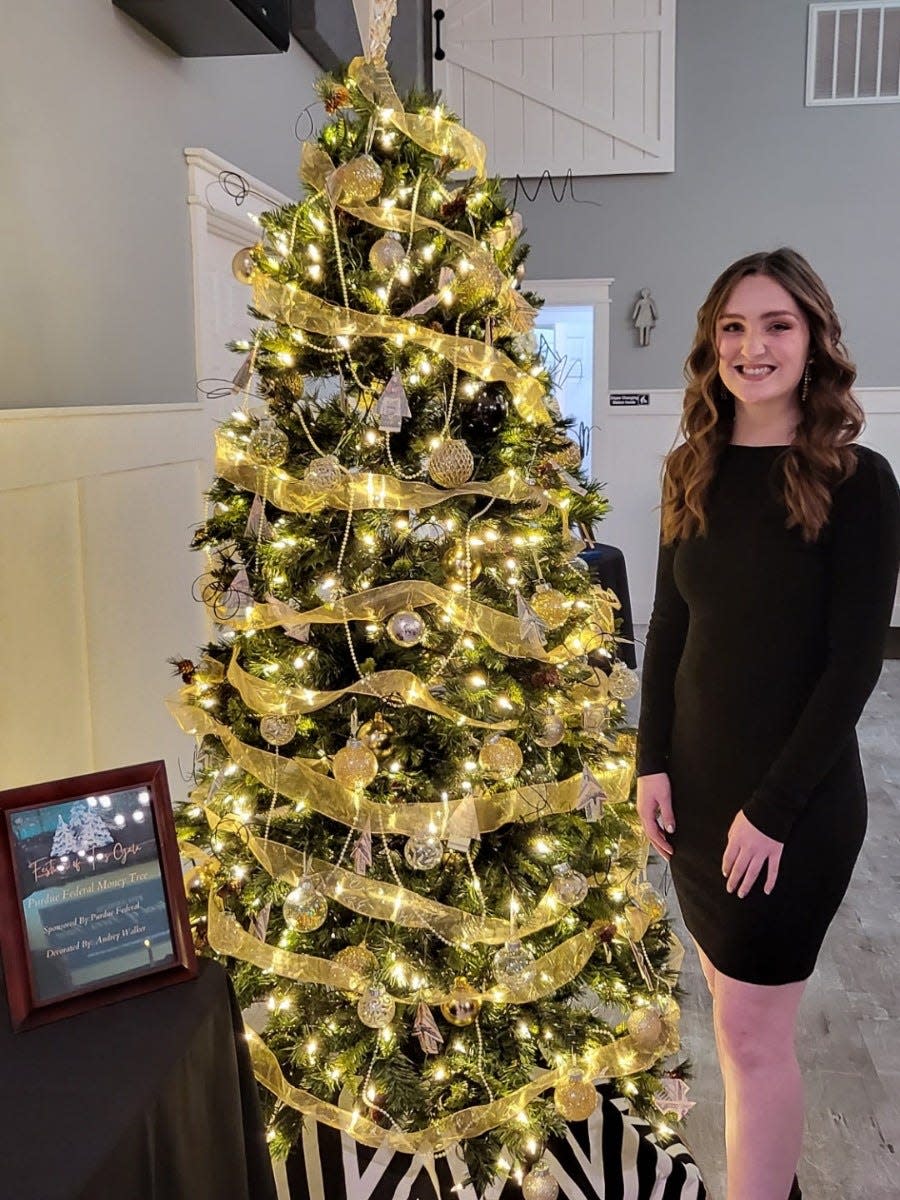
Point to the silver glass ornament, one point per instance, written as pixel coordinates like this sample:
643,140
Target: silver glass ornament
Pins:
569,886
324,472
376,1007
513,965
551,732
267,444
622,683
277,729
423,851
305,908
329,588
405,628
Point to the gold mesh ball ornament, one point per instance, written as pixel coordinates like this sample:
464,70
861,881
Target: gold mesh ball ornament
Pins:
376,1007
358,959
405,628
646,1027
377,735
305,908
277,729
575,1097
324,473
550,732
355,765
623,682
551,606
267,444
454,563
540,1184
451,464
243,266
462,1006
387,253
568,456
500,756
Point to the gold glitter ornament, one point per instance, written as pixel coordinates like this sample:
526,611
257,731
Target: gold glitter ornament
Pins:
568,456
622,682
478,277
551,731
377,736
500,756
243,266
575,1098
324,473
540,1184
355,765
462,1006
358,959
645,1025
376,1007
305,908
451,464
387,253
357,181
454,562
551,606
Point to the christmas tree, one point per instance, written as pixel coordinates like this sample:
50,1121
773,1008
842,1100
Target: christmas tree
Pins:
412,825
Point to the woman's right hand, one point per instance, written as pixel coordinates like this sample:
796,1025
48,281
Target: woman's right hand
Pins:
654,806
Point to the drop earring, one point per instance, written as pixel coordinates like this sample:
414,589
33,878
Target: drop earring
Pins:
804,395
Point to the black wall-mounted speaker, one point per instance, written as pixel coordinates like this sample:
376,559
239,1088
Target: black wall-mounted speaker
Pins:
204,28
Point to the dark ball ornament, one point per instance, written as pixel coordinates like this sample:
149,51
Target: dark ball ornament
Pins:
485,417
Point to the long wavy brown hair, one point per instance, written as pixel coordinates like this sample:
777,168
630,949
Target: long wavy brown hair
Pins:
820,455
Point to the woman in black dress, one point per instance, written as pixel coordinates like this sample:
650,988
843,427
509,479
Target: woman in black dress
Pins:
778,558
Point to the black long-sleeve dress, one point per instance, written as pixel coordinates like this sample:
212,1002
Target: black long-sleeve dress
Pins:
761,653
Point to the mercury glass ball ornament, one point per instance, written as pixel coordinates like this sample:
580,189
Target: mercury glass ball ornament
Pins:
648,900
243,266
645,1025
569,885
551,732
500,756
278,729
377,735
329,588
267,444
567,456
551,606
305,908
451,464
386,254
376,1007
355,765
540,1184
358,959
405,628
462,1005
513,965
423,851
324,473
623,682
575,1097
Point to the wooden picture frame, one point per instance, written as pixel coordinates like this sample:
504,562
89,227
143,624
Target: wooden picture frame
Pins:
92,905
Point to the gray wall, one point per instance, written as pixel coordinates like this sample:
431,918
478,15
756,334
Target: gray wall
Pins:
755,169
96,285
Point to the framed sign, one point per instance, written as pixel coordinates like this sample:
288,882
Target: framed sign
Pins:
92,907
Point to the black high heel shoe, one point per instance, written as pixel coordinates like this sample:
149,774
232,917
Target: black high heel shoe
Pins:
795,1193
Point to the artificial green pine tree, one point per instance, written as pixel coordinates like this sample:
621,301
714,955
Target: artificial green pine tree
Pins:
411,826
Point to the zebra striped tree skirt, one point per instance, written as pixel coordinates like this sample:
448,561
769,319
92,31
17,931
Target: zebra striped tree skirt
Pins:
611,1156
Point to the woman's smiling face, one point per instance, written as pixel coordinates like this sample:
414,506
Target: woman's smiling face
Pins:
762,340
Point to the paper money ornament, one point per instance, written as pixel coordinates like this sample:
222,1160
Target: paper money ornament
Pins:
591,796
362,850
534,630
426,1030
392,405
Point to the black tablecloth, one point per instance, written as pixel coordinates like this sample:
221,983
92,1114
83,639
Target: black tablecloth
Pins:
151,1098
607,567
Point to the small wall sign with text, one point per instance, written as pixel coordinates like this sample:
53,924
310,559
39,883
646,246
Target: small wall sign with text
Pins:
628,399
91,899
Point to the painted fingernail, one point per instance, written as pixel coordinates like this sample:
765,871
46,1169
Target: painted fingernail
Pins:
670,829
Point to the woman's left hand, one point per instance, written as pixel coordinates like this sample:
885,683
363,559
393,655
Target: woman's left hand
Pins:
747,852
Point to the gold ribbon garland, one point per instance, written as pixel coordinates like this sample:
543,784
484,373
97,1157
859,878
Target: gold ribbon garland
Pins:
300,780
